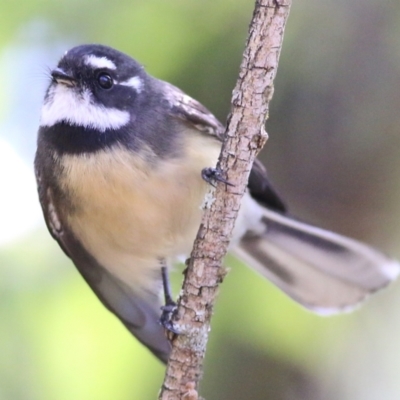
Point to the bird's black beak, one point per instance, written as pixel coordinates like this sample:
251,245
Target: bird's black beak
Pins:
60,76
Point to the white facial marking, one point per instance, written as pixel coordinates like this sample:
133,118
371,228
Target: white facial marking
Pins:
134,82
99,62
65,104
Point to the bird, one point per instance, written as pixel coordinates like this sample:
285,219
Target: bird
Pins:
122,168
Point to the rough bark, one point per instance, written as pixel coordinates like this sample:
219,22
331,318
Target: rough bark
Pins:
245,136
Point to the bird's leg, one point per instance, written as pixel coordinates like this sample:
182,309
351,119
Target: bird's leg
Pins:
169,308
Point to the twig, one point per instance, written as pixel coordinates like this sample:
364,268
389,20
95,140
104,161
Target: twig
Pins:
245,136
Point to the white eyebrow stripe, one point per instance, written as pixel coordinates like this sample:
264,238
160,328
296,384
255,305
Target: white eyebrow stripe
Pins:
64,104
99,62
134,82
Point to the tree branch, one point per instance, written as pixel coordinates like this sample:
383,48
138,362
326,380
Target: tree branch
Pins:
245,136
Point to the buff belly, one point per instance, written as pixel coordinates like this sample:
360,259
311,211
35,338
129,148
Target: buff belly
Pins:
128,213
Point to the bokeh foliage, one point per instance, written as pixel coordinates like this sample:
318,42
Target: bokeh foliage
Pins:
333,153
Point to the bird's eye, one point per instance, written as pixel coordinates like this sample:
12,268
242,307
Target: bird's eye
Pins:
105,81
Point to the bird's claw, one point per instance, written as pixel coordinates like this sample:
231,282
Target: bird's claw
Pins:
212,175
168,312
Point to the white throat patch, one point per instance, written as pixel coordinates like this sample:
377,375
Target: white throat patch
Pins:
65,104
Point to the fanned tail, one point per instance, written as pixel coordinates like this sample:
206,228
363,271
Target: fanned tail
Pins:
325,272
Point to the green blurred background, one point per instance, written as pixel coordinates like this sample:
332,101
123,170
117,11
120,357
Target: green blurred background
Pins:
333,153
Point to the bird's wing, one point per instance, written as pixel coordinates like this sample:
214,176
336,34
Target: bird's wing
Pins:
138,313
261,189
200,118
191,111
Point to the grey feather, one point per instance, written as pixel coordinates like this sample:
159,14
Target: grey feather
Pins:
191,112
139,313
322,270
